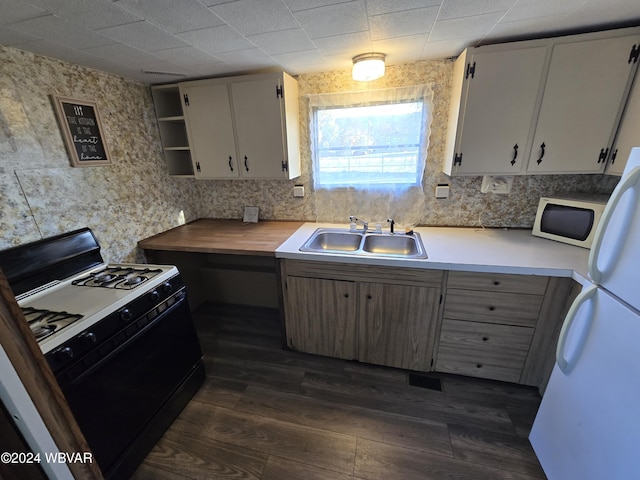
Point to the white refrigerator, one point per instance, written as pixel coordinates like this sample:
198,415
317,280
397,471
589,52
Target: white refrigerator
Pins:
588,424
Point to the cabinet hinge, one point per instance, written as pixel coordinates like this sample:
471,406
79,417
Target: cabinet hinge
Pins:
186,99
440,299
613,156
279,91
198,167
432,362
633,55
471,70
285,166
603,155
457,159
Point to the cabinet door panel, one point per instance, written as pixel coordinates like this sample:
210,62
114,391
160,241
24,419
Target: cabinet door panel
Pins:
499,108
584,92
321,316
397,325
628,135
259,117
210,127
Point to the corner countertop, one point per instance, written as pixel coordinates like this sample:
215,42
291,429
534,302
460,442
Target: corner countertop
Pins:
207,235
492,250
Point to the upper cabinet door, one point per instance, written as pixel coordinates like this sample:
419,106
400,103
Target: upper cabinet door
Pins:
259,127
497,109
628,135
210,126
585,90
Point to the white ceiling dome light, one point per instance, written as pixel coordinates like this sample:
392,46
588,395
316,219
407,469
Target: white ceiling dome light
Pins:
368,66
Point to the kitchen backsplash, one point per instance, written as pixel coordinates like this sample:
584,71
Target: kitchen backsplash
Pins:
42,195
134,197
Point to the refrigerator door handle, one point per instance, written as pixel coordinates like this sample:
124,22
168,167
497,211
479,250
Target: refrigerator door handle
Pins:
567,362
597,271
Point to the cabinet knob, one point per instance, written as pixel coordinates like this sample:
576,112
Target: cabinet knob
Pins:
369,297
484,339
496,283
479,365
492,308
346,295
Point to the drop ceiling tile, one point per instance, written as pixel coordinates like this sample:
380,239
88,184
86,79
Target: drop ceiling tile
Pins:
526,9
400,24
505,31
60,52
477,26
400,49
15,11
353,43
58,30
120,53
192,15
249,59
334,20
90,14
445,48
10,37
470,8
282,41
213,69
216,40
380,7
186,56
251,17
604,13
143,35
298,5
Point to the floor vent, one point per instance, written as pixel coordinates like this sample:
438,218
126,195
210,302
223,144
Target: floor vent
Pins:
425,382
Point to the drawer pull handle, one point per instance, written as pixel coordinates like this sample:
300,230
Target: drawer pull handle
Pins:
492,308
485,339
496,283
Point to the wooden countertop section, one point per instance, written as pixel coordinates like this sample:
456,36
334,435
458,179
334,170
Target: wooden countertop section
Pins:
224,236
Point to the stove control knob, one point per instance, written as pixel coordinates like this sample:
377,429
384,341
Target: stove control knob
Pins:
126,315
64,354
154,296
167,287
88,338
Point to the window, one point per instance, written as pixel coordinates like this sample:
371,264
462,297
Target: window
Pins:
373,139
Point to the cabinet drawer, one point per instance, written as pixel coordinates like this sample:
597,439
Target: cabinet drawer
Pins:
483,350
498,282
493,307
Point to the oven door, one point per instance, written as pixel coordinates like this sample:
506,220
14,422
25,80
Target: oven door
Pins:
125,402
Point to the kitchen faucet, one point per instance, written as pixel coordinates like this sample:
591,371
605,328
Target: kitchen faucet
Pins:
391,224
353,223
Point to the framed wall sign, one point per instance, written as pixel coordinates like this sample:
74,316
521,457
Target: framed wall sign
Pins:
82,131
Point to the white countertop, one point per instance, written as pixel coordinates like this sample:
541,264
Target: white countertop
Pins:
469,249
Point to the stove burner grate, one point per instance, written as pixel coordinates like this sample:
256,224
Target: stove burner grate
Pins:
45,322
121,277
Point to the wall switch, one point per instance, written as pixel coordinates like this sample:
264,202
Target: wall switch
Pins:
442,190
298,191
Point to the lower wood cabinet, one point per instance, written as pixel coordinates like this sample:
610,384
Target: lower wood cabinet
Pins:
340,311
495,326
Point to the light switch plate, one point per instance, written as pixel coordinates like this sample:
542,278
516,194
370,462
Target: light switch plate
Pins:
251,214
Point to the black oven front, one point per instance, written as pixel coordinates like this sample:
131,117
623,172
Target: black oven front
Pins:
128,376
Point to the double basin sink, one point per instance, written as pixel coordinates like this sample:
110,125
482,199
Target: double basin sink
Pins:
345,242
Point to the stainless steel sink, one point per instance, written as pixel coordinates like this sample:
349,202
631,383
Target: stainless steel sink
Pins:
344,242
325,240
404,245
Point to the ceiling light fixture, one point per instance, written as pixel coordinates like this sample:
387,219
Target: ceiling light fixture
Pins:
368,66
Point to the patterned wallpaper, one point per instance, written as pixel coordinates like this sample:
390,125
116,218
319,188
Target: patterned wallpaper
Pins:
134,198
466,206
42,195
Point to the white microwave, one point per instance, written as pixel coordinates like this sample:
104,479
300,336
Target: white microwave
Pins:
571,220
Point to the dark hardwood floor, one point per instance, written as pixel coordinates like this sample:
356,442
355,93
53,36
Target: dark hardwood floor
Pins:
272,414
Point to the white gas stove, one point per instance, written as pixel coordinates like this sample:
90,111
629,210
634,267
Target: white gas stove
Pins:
59,311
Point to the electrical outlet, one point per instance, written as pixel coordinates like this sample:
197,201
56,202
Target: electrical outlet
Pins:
442,190
496,184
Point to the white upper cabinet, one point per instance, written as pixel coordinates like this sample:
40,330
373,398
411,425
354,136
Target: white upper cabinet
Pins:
210,125
628,135
584,94
546,106
242,127
497,92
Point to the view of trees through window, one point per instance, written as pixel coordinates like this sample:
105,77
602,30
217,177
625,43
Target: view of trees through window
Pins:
375,145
